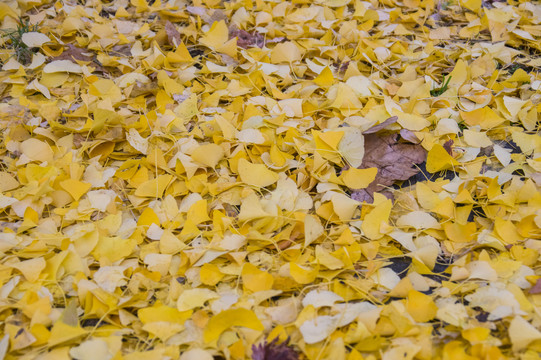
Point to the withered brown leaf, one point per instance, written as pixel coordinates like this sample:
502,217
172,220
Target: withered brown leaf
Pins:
394,161
75,53
383,125
173,36
448,146
246,39
536,289
274,351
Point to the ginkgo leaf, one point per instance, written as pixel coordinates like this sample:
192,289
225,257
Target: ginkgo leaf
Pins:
270,179
7,182
31,269
75,188
418,220
314,331
375,221
155,187
228,318
256,174
318,298
286,52
312,229
254,279
196,354
325,78
62,332
209,154
303,274
37,150
420,306
351,147
90,348
34,39
217,36
522,333
485,117
358,178
62,66
438,159
194,298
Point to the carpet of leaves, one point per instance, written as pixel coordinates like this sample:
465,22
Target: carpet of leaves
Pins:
251,179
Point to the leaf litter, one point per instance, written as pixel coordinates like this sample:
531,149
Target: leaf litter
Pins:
251,180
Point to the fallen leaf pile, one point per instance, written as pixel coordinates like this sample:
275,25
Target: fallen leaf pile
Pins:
251,179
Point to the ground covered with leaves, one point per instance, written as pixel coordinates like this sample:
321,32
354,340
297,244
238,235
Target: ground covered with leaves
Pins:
329,179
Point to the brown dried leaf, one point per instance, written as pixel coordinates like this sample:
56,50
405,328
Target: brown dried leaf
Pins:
394,161
173,36
409,136
274,351
74,53
124,50
536,289
246,39
383,125
207,15
217,15
448,146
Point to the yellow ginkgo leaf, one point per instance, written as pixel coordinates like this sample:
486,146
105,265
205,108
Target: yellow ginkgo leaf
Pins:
438,159
194,298
344,206
324,258
286,52
170,244
325,78
327,144
148,217
208,154
476,335
256,174
106,89
75,188
154,188
34,39
62,333
461,233
312,229
522,333
7,10
459,75
228,318
254,279
519,76
37,150
198,213
411,121
420,306
217,36
329,139
187,109
160,312
485,117
62,66
31,269
7,182
181,54
355,178
472,5
351,146
302,274
375,221
210,274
